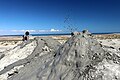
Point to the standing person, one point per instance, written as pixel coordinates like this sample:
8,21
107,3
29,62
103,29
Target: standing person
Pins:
23,38
27,35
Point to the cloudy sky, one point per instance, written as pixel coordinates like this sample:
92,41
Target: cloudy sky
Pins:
47,16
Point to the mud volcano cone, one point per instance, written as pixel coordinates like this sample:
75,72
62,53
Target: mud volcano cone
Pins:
75,59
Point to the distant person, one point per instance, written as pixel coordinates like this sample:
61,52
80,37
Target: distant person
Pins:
26,36
23,38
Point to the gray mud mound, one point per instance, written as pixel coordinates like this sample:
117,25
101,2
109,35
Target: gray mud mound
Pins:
80,58
42,53
74,60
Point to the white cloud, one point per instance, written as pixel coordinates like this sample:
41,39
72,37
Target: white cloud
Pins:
53,30
34,31
12,32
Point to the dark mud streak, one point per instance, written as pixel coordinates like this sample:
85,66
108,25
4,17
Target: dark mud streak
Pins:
1,55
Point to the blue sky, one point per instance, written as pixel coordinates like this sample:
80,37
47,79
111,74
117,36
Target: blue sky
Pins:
47,16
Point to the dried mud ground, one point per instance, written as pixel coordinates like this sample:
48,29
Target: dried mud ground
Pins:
12,51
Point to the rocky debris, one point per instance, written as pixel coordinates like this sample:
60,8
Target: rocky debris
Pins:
111,45
15,72
4,43
8,45
75,33
84,33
